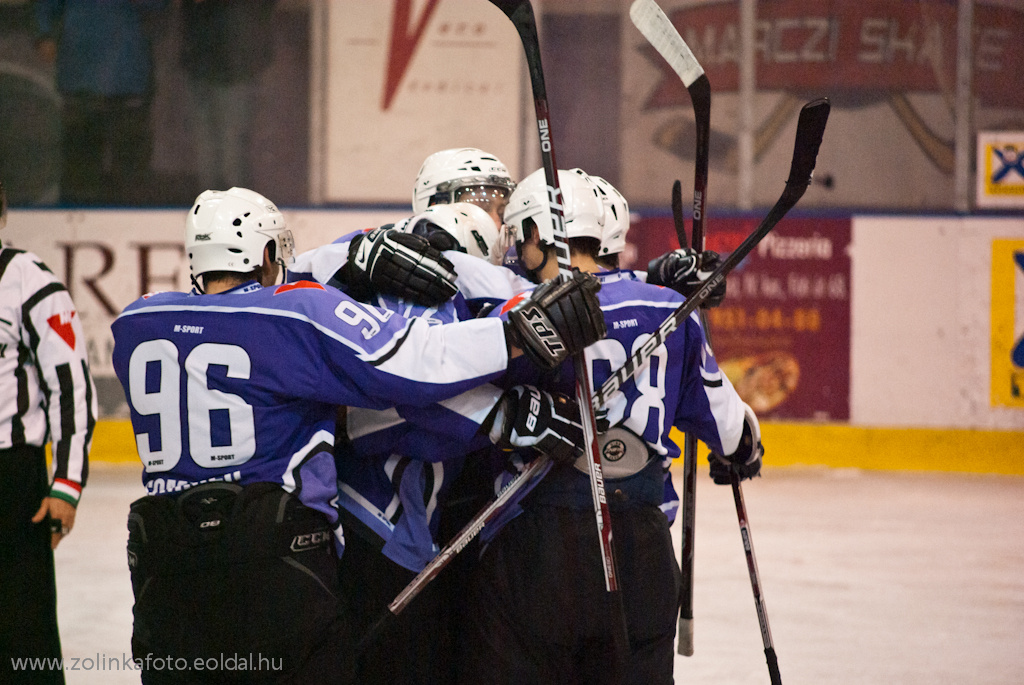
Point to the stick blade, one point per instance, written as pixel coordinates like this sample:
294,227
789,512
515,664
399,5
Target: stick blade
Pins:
657,28
677,213
512,7
810,129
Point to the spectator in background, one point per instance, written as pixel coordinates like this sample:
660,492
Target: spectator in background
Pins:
225,46
46,395
104,73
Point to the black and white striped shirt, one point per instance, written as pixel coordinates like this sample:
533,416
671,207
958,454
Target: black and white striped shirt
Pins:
46,390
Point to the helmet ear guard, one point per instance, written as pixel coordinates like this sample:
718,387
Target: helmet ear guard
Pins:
616,212
228,231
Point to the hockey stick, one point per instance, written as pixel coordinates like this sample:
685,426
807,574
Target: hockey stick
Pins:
656,27
688,505
809,131
755,582
659,31
521,14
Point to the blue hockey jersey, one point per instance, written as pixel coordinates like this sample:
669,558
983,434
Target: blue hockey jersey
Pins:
243,386
398,464
681,386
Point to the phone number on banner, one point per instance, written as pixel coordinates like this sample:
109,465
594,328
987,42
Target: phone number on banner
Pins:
765,319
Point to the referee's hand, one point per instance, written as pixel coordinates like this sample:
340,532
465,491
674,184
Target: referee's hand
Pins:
62,518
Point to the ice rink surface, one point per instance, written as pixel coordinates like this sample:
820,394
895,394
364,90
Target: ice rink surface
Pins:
869,578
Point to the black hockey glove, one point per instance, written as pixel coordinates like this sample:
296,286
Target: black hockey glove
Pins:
549,423
443,240
685,270
435,235
744,462
558,319
390,262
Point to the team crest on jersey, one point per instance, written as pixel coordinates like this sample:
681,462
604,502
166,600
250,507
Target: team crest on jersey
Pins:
298,285
61,325
614,450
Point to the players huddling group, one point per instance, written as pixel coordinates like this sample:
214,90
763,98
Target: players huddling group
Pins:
315,428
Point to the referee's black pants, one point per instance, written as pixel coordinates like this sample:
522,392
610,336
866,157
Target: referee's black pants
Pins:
28,589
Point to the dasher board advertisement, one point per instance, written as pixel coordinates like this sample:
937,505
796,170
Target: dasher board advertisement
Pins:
782,335
408,78
1001,169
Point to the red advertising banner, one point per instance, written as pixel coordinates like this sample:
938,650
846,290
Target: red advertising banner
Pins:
860,50
782,336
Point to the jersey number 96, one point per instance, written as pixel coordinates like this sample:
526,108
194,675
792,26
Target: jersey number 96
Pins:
155,380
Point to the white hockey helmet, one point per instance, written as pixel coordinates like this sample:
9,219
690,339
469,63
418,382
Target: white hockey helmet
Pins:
226,230
467,223
616,217
582,204
449,174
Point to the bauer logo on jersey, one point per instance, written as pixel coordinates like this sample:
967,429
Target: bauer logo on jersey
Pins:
61,325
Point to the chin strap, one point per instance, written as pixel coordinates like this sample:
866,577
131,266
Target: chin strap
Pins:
284,271
532,274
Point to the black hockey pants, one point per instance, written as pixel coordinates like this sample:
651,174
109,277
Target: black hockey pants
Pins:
235,585
538,611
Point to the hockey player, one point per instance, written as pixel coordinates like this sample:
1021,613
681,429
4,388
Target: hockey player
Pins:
232,395
537,606
395,475
463,175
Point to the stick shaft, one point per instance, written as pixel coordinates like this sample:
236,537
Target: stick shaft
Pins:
521,14
688,512
755,582
688,502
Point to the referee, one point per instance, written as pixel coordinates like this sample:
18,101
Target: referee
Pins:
46,395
